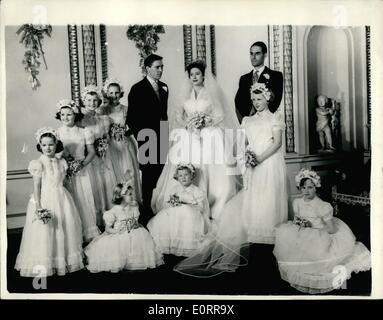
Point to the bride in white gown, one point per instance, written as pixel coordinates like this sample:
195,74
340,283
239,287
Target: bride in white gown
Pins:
197,136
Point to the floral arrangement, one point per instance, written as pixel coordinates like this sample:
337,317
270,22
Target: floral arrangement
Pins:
129,224
198,120
260,88
74,167
43,215
301,222
174,200
146,39
118,132
101,146
307,173
250,158
31,38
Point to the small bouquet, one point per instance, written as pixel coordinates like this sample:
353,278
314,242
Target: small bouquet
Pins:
301,222
119,132
74,167
101,146
198,121
250,158
131,224
128,224
174,200
44,215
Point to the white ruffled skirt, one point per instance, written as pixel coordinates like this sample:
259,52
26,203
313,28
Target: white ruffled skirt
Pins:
55,247
134,250
314,261
177,230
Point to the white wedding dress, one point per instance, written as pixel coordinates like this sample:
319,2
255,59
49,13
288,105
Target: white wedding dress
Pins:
205,149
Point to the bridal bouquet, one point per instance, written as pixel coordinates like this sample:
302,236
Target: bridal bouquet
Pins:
174,200
301,222
101,146
44,215
118,132
198,121
74,166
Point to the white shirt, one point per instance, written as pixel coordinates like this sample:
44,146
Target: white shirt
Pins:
259,70
152,82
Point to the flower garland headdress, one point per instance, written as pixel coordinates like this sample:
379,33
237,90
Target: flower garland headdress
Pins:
185,165
110,81
44,130
125,186
261,88
310,174
67,103
90,89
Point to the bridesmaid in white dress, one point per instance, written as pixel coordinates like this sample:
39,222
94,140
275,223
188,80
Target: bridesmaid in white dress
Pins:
265,195
102,178
54,244
78,144
317,250
123,147
125,244
179,228
201,144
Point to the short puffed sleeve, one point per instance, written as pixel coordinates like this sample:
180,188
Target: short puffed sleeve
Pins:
325,211
89,137
109,217
35,168
134,212
244,121
296,207
277,121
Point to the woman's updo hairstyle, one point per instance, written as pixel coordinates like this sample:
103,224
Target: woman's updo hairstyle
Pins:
199,64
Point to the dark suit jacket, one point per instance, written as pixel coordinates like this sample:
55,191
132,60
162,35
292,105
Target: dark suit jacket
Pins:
272,79
145,110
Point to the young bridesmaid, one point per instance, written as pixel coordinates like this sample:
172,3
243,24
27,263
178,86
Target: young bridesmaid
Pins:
102,178
179,228
125,244
79,152
123,146
51,241
316,249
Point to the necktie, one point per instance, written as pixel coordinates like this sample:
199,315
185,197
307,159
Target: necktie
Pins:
255,76
156,89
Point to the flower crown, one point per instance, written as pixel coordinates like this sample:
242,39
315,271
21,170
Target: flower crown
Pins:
110,81
184,165
45,130
262,89
310,174
125,186
90,89
67,103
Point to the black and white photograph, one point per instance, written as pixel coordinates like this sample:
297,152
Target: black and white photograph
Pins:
195,157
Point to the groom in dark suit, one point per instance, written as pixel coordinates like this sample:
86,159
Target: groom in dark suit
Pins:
262,74
147,107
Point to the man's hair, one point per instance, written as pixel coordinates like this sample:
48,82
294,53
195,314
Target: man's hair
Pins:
150,59
260,44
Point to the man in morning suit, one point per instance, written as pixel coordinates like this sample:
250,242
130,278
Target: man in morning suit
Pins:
147,107
262,74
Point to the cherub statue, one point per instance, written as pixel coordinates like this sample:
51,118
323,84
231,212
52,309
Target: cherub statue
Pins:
323,126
